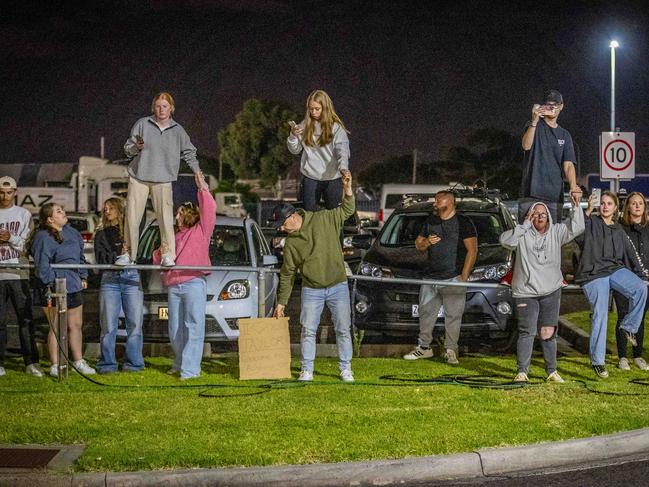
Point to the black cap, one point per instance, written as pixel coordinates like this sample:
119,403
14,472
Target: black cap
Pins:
280,213
553,96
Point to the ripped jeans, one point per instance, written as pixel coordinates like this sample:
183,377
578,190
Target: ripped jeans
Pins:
533,314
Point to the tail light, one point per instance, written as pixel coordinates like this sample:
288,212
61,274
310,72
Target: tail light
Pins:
86,236
380,215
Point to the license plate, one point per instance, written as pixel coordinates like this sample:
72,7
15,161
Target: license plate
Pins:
163,313
415,311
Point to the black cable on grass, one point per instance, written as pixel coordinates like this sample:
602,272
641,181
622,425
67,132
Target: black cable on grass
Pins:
478,381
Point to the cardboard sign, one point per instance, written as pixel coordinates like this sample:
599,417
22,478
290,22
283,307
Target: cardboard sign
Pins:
264,349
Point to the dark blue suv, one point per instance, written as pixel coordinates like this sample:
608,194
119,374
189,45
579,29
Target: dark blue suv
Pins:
392,309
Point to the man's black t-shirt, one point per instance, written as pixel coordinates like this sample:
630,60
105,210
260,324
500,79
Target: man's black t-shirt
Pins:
446,257
543,166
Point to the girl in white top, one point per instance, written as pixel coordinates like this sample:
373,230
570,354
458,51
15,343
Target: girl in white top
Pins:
322,139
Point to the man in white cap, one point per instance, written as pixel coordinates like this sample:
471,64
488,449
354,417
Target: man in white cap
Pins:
15,224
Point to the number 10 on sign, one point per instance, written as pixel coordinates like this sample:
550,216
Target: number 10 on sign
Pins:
617,155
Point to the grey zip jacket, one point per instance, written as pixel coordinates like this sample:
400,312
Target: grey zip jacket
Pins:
537,267
322,163
159,161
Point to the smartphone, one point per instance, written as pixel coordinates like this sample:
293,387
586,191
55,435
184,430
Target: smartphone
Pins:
597,200
139,139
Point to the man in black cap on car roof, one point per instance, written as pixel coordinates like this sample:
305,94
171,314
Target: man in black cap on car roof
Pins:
549,158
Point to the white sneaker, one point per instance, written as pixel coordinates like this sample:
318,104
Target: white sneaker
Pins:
123,259
2,371
451,357
305,376
54,370
418,353
83,367
641,363
347,376
34,369
555,377
521,377
624,364
167,261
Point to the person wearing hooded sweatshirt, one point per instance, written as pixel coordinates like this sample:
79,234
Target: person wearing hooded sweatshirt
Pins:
537,282
609,261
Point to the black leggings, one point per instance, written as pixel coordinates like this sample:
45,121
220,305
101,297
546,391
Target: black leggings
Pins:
313,191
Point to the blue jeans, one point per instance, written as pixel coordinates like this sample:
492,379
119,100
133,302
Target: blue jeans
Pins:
337,300
121,290
187,303
597,292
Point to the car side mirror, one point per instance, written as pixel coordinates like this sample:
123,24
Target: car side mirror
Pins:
362,241
268,260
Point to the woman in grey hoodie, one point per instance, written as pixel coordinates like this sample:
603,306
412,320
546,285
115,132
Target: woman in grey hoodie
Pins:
322,139
537,282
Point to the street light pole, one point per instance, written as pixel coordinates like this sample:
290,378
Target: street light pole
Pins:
613,45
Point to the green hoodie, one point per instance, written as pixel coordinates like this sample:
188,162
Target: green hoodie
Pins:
315,250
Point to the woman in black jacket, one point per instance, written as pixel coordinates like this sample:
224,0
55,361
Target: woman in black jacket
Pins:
120,290
609,261
635,223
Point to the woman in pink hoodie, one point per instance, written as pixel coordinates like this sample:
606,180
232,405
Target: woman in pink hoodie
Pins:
187,292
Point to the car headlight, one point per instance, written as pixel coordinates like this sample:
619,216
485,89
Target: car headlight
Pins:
491,273
371,270
347,243
239,289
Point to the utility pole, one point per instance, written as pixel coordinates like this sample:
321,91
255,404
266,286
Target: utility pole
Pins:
101,150
414,166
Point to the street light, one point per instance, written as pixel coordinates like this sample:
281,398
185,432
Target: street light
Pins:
615,184
613,45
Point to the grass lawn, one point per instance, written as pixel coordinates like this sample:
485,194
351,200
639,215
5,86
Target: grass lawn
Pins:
581,319
149,425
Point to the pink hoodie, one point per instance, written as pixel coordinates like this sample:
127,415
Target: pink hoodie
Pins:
192,244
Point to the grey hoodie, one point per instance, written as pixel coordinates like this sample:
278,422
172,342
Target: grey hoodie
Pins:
537,269
322,163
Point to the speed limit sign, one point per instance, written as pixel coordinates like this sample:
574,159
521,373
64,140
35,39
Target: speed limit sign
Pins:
617,155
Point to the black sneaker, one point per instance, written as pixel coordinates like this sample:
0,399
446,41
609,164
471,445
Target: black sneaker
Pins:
631,338
601,371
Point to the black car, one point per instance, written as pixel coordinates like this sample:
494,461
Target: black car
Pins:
392,309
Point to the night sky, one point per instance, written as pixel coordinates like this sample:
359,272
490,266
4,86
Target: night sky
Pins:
401,74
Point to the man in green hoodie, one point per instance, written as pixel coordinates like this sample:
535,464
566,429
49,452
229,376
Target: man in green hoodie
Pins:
313,248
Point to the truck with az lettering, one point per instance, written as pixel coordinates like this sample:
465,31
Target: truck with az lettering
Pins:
78,187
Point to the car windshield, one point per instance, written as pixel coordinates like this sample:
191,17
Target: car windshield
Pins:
227,246
402,229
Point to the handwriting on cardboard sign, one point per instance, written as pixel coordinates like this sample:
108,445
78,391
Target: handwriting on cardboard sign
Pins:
264,349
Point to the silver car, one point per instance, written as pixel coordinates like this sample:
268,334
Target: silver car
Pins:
231,295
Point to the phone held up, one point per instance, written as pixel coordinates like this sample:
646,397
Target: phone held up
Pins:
597,197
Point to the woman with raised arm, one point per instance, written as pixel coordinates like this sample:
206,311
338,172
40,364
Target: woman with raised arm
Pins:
187,291
322,139
609,262
537,282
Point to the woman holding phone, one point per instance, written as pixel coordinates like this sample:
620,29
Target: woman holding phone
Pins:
322,139
609,261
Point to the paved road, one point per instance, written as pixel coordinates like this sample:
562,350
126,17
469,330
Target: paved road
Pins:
629,473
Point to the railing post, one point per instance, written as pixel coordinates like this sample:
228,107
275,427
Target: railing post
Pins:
261,290
62,327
